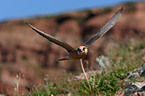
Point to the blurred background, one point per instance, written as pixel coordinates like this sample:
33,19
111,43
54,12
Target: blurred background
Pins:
22,51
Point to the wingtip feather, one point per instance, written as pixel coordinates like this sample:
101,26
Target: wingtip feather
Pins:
28,24
121,9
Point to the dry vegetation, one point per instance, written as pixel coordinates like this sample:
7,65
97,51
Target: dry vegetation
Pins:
23,51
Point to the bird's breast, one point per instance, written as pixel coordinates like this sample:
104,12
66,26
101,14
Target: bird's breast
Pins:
77,56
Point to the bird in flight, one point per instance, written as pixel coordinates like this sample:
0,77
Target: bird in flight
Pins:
81,51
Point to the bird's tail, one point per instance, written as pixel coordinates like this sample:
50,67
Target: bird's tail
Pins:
65,58
62,59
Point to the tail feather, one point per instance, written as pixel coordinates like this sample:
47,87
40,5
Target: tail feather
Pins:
65,58
62,59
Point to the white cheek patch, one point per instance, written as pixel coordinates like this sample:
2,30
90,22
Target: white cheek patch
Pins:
86,50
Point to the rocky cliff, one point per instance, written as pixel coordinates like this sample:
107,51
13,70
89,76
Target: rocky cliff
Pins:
24,51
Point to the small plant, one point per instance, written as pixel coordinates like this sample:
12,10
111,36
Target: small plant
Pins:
103,84
47,89
17,84
85,87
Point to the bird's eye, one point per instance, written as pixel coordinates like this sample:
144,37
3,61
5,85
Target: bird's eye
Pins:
79,50
84,49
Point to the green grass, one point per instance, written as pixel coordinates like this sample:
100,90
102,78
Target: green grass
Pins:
124,59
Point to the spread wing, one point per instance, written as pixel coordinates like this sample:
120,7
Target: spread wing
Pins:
105,28
53,39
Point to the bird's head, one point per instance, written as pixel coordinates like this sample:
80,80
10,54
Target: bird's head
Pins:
82,50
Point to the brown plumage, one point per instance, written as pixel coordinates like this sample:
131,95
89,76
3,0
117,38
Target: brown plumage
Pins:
82,50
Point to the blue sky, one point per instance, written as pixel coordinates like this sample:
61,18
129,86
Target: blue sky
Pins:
15,9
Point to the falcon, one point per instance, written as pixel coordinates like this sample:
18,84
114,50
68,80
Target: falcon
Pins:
81,51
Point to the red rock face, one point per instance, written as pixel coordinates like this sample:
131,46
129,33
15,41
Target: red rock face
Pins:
24,51
6,88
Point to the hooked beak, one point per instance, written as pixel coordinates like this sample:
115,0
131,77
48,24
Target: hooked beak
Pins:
82,50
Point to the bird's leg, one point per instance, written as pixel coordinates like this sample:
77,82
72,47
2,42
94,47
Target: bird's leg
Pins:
81,60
